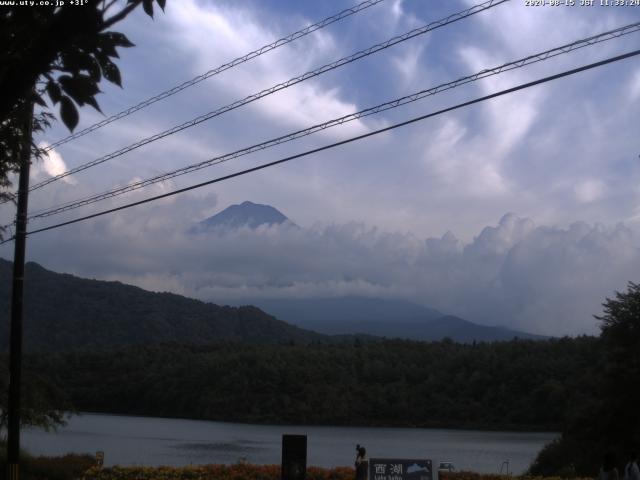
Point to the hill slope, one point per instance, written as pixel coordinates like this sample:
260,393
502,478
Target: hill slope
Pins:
383,318
66,312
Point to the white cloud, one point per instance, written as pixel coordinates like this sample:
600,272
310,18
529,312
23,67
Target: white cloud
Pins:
543,152
541,279
508,118
634,90
396,9
408,64
463,164
52,164
235,32
590,190
520,153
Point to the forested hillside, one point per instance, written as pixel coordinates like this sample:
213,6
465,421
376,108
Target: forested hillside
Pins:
507,385
65,312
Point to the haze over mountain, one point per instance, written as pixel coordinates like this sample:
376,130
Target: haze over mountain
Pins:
582,211
64,312
247,214
382,317
353,315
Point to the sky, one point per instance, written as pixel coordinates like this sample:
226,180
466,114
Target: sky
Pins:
522,211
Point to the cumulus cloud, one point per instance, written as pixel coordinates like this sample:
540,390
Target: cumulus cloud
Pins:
590,190
528,152
556,154
196,27
634,91
542,279
52,164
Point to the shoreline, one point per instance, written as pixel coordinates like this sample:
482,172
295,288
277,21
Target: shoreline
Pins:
154,441
435,427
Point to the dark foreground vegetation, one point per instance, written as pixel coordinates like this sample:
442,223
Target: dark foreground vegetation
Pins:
254,472
510,385
67,467
73,467
606,416
585,387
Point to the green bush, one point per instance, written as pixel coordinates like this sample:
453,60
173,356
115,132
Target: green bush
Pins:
67,467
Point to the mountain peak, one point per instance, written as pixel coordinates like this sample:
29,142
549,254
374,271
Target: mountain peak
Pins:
246,214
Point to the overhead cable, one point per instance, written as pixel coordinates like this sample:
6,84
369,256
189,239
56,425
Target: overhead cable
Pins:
531,59
342,142
225,66
281,86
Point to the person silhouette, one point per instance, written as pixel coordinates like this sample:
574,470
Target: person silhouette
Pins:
608,471
362,463
631,470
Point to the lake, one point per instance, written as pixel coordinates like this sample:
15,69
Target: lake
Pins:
128,440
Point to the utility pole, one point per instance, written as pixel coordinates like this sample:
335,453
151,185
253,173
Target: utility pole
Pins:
15,348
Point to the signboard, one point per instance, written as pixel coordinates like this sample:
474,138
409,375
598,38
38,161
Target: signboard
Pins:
400,469
294,457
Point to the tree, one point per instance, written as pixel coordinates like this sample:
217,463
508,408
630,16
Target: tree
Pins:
11,135
606,417
59,53
620,327
44,404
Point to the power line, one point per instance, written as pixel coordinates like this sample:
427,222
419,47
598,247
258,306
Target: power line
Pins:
281,86
226,66
531,59
343,142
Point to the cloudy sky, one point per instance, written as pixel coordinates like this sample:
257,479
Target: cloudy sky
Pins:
523,211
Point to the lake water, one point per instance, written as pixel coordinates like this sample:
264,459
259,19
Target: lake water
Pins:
129,440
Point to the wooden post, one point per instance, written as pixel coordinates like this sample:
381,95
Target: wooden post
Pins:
15,347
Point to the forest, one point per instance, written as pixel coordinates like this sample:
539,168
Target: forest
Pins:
522,385
584,387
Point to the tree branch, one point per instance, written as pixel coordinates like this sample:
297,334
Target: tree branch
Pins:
108,6
122,15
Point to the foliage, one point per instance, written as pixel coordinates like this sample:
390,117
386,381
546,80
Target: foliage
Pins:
67,467
42,404
63,312
605,416
508,385
238,471
257,472
64,52
554,458
59,53
620,391
11,138
486,476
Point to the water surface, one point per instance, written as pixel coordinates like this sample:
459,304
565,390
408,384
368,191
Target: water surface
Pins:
127,440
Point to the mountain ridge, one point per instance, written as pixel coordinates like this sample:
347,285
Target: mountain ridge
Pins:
383,318
65,312
247,214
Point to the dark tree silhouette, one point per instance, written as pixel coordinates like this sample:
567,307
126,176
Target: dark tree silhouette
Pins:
620,326
59,53
605,416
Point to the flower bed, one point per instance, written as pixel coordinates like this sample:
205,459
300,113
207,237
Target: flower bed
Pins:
212,472
256,472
